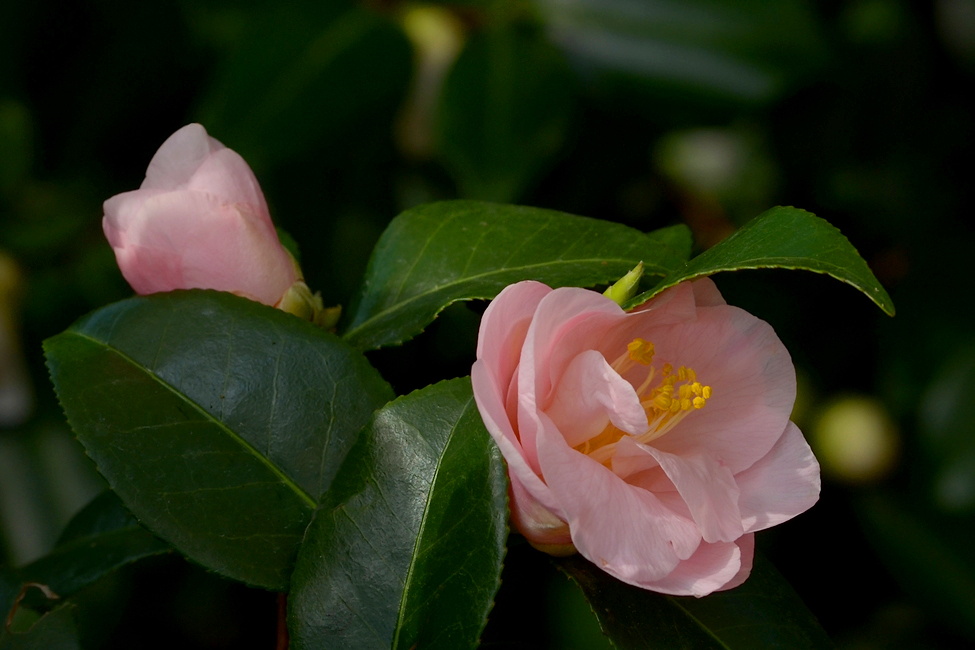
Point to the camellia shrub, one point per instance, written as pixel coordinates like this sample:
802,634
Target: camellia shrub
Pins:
621,417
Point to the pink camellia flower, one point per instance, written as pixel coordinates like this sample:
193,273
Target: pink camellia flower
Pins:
655,442
199,221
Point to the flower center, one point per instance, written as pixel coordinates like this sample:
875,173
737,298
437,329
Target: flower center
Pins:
667,399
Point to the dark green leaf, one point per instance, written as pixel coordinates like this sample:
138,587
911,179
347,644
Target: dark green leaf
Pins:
100,538
786,238
947,428
708,50
764,612
677,238
217,420
407,546
306,74
503,113
939,574
440,253
55,630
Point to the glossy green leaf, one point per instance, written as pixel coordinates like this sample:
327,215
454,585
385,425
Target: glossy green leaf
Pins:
786,238
440,253
100,538
406,548
503,113
733,50
217,420
305,75
677,238
764,612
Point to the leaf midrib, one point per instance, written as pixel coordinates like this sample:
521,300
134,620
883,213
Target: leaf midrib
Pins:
350,333
423,522
284,478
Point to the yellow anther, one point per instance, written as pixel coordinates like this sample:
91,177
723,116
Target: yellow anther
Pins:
685,404
675,406
670,381
663,402
667,369
696,387
682,373
685,391
641,351
691,374
699,402
667,389
706,392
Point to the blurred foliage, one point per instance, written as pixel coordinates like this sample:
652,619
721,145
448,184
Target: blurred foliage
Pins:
645,112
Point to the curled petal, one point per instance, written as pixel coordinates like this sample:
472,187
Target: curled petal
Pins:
496,421
589,396
781,485
746,543
708,488
624,530
710,568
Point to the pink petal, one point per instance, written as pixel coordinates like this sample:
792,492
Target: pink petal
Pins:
747,545
504,326
225,175
120,211
496,421
706,294
708,488
589,396
752,378
781,485
185,240
710,568
179,157
624,530
563,310
536,522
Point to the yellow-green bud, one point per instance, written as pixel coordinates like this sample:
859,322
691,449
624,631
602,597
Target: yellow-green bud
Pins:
625,288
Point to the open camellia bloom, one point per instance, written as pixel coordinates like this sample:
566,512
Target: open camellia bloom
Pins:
199,221
655,442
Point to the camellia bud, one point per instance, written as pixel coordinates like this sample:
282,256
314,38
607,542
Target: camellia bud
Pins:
199,221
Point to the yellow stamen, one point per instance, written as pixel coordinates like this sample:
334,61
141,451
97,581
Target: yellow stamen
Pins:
641,351
667,369
706,392
685,404
699,402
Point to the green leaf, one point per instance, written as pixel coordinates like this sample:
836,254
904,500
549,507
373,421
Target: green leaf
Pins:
678,238
439,253
98,540
787,238
55,630
406,548
933,563
764,612
503,113
217,420
305,76
709,51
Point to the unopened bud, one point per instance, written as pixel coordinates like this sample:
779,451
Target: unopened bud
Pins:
625,288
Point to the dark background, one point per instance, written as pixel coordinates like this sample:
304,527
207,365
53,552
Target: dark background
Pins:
646,113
